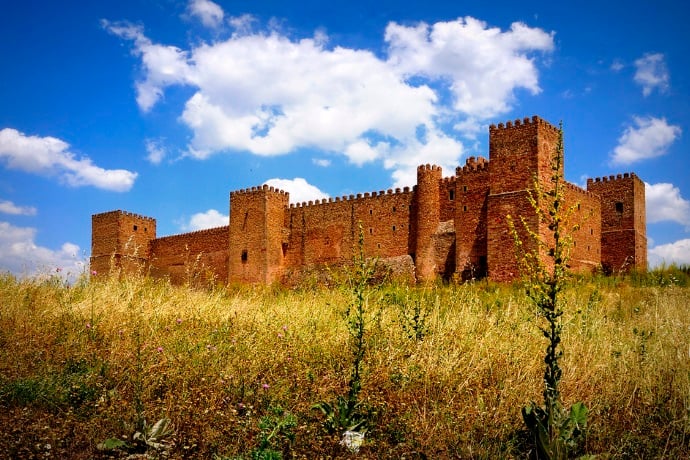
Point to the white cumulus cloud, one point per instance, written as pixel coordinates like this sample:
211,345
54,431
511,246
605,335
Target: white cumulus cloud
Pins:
665,203
651,73
207,219
270,94
677,253
209,13
484,65
299,189
20,255
8,207
51,156
649,137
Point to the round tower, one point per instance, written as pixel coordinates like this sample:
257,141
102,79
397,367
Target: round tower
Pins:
428,219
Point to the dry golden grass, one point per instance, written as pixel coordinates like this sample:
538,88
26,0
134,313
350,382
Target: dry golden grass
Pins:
83,363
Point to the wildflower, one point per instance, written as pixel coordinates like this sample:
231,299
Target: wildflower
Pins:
265,386
179,321
280,336
159,349
94,272
88,325
285,328
58,269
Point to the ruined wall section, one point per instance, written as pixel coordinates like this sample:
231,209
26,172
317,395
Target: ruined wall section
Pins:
195,257
623,221
472,192
256,235
519,154
326,232
121,240
585,254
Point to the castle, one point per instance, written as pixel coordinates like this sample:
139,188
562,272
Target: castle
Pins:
443,226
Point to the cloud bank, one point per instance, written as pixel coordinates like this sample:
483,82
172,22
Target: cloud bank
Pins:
19,254
270,94
50,156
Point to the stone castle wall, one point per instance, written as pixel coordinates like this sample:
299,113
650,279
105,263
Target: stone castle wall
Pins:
444,226
191,257
623,224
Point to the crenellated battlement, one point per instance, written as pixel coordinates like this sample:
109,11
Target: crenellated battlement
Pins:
205,231
125,214
577,189
344,198
258,188
428,167
473,164
525,122
613,178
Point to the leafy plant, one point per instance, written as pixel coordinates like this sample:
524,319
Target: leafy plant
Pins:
346,413
556,432
153,437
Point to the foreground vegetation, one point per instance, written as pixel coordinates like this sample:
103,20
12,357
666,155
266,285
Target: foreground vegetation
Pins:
238,371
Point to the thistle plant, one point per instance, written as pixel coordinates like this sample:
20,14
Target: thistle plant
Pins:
556,432
346,414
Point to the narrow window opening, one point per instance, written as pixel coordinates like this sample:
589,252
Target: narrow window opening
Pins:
393,227
378,245
451,195
371,211
619,207
464,188
464,208
244,256
393,208
135,228
371,231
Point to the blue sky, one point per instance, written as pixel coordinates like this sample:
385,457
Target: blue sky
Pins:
162,107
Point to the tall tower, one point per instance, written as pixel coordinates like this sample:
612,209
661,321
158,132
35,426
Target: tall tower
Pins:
258,238
519,154
428,219
121,240
623,221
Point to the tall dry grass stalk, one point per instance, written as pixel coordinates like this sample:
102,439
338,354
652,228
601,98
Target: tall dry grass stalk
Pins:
82,363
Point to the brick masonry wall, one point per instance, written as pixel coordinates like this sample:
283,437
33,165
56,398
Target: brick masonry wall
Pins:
472,191
585,254
328,232
255,245
120,240
196,257
428,218
623,221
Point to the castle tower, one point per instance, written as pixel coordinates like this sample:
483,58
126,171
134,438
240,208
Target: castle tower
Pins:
519,154
257,240
428,218
121,240
623,221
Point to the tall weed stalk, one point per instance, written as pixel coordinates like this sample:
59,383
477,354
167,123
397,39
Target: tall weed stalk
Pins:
556,432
